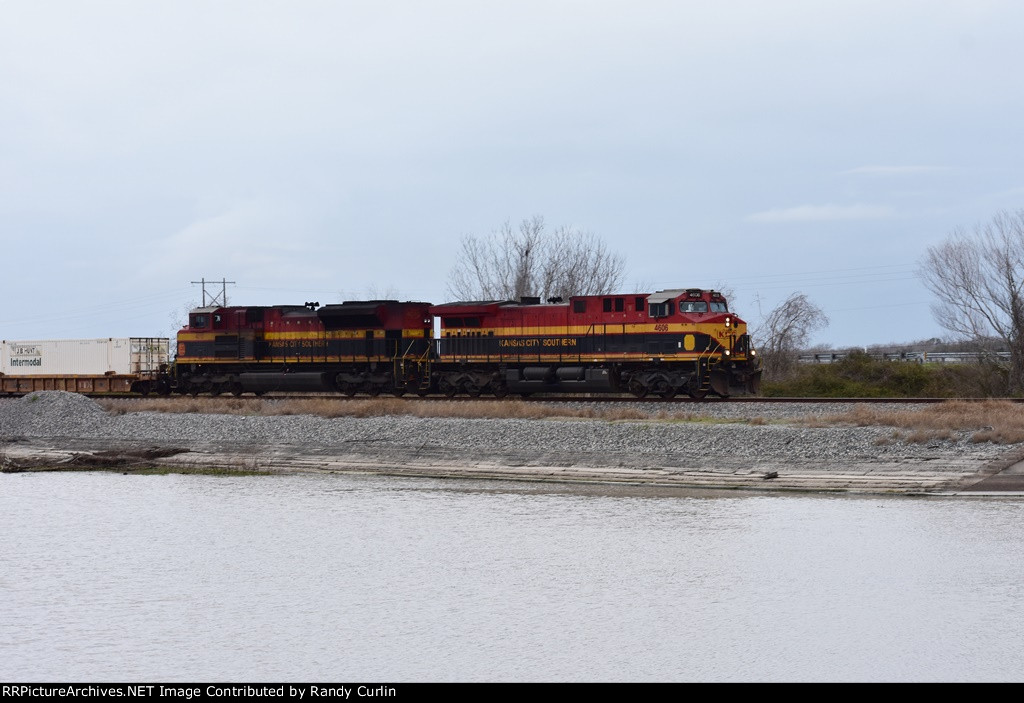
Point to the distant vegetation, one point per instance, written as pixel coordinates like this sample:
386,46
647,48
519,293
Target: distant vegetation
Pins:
861,376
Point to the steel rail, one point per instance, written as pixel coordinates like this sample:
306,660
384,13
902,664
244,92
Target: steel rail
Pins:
538,398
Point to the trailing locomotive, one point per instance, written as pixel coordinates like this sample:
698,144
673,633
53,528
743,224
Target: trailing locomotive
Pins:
369,346
669,342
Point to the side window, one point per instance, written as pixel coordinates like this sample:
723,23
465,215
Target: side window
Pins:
199,321
620,305
640,304
579,306
607,304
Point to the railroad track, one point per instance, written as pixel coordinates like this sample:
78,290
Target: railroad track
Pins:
543,399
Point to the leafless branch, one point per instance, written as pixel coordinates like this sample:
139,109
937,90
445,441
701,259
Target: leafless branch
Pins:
531,261
786,330
977,278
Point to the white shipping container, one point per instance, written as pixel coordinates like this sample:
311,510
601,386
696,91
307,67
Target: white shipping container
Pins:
83,357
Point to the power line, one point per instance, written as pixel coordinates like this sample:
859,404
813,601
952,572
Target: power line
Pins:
862,274
813,284
140,303
879,268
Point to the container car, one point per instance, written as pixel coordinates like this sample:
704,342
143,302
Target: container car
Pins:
106,365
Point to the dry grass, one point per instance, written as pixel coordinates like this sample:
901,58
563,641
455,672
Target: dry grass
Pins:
998,421
376,407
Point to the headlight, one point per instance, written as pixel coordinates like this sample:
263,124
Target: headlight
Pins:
728,322
727,352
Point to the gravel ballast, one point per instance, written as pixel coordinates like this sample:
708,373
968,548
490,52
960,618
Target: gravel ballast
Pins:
719,449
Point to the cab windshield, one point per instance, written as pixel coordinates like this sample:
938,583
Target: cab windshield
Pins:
719,307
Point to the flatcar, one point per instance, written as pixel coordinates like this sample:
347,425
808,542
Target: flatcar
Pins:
96,366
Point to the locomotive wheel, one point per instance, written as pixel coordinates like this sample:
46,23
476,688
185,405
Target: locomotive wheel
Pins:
696,393
664,389
472,390
349,389
398,392
447,388
236,389
637,388
193,390
373,391
499,391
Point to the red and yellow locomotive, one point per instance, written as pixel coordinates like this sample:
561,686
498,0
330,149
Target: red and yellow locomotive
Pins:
669,342
368,346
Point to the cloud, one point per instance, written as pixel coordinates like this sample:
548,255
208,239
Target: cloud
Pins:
1008,193
244,240
822,213
893,170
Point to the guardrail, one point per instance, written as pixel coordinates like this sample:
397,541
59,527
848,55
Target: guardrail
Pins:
919,357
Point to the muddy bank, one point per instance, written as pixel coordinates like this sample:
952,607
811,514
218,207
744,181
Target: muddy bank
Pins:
931,475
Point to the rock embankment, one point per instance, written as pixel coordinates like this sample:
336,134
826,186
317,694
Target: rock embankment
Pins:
720,449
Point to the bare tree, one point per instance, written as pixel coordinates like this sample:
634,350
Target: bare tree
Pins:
532,261
377,292
786,330
978,278
178,318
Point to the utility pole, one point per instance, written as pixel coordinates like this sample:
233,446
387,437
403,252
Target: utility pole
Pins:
215,299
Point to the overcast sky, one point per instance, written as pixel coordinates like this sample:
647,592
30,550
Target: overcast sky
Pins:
336,150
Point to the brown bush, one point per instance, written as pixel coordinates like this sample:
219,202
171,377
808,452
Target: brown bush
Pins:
999,421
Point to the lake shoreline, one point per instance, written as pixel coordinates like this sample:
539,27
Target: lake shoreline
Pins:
781,451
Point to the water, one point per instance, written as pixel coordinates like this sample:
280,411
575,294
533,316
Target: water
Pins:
176,578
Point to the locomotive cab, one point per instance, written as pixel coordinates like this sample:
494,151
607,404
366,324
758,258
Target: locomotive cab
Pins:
200,318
